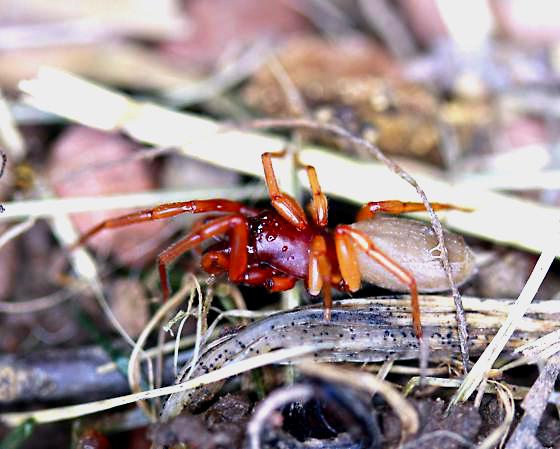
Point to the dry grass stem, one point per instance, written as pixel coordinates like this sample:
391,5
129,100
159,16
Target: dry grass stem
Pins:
167,348
534,404
497,217
75,411
407,370
541,180
200,324
134,361
518,392
499,434
489,356
541,349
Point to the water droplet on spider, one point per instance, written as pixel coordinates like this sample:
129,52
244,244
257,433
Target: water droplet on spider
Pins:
284,248
271,237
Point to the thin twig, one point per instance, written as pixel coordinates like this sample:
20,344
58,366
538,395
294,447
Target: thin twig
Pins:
200,325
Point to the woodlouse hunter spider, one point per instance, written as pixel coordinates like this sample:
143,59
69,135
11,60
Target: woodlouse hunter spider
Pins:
274,248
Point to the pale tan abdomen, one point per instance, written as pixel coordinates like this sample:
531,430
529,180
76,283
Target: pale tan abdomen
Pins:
408,242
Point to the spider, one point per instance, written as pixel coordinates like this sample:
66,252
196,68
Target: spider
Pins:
276,247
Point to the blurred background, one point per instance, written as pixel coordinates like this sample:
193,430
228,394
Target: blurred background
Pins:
467,90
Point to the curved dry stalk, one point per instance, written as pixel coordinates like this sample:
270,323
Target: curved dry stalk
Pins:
274,401
368,330
134,361
200,323
505,396
362,380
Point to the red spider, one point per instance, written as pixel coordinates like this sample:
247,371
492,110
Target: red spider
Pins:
276,247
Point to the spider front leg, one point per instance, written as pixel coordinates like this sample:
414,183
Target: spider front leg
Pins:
371,209
238,229
167,211
288,206
285,205
345,239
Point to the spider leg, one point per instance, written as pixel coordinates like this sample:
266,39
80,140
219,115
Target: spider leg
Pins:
216,262
371,209
284,204
167,211
347,260
319,205
269,278
320,271
238,228
344,237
